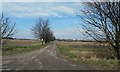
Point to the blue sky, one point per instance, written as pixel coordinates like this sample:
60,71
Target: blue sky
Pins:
64,22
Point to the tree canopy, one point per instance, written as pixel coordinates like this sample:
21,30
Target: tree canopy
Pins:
41,30
102,23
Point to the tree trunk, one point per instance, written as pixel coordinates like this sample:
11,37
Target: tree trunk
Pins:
46,41
117,53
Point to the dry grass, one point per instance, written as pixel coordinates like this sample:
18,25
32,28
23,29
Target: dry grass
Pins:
89,53
83,44
79,43
20,46
87,49
21,42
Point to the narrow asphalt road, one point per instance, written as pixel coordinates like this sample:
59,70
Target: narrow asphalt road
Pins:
47,58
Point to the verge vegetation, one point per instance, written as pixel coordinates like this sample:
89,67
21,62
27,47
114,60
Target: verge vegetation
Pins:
87,53
20,46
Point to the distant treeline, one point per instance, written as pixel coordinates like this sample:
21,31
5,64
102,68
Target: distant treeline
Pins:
15,38
7,38
67,40
72,40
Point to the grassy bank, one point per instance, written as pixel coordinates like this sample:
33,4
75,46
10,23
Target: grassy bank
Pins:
96,55
15,47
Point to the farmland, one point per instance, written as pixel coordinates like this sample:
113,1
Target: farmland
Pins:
88,53
19,46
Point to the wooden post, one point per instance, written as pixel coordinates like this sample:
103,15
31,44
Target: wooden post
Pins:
42,41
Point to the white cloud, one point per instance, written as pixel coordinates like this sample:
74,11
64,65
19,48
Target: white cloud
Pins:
63,9
28,10
68,33
0,7
56,0
38,9
44,0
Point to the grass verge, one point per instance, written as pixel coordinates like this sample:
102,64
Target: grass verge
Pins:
15,49
89,56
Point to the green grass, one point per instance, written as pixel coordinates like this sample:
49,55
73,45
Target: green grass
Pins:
66,51
75,54
15,49
103,64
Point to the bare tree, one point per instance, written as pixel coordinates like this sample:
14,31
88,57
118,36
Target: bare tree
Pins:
6,27
102,23
41,30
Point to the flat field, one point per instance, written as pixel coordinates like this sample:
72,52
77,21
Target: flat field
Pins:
19,46
91,53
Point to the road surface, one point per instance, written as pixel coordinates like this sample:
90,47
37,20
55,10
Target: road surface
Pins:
47,58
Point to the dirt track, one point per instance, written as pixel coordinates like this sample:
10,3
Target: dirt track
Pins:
47,58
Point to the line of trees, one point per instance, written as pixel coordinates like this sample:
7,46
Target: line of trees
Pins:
102,23
42,30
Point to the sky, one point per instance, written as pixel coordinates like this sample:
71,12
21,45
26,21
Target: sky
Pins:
62,15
